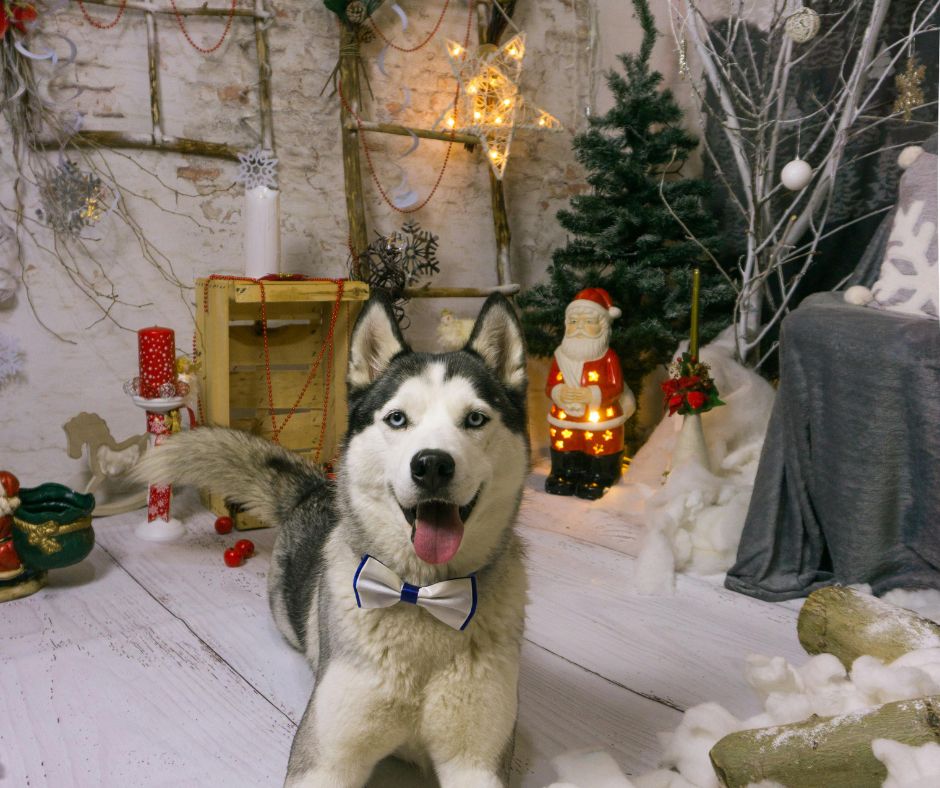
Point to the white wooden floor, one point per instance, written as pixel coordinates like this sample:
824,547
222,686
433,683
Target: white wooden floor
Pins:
156,665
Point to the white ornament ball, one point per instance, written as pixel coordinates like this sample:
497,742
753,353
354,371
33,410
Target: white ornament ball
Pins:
796,174
802,25
858,294
909,155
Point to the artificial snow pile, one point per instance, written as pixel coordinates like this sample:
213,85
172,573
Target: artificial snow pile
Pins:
693,516
789,694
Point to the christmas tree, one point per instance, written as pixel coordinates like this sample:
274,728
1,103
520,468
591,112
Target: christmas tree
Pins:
625,235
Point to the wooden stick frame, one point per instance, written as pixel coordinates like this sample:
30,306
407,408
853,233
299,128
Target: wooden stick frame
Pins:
157,139
352,171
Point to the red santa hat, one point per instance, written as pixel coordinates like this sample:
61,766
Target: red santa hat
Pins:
596,299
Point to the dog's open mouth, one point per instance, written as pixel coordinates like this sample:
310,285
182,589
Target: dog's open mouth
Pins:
437,528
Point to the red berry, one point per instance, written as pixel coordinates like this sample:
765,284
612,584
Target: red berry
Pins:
233,557
246,547
223,525
9,483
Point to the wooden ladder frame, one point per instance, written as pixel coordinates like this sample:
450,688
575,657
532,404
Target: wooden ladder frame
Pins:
349,65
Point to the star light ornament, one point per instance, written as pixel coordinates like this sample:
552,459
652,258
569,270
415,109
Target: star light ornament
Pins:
257,168
489,104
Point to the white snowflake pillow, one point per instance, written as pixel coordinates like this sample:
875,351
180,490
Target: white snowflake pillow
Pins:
909,279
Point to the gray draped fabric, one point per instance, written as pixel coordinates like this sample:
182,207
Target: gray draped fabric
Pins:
848,487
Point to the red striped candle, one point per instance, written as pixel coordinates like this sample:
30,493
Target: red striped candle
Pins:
156,347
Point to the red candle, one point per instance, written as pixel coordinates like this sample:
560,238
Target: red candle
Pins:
157,353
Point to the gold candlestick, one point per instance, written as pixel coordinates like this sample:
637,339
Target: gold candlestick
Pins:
693,333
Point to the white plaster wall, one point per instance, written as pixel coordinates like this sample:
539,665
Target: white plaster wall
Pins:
190,210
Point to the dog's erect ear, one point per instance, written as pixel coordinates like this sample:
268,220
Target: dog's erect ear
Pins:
376,340
497,338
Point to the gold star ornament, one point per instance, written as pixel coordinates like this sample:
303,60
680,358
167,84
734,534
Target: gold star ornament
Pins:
489,104
910,93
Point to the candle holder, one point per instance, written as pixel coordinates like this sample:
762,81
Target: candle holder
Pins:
161,395
159,526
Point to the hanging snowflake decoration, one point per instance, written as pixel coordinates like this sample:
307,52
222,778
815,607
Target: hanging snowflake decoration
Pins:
257,168
400,260
11,359
73,200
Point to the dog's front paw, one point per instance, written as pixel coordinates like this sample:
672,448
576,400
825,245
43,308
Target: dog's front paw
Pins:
468,777
321,778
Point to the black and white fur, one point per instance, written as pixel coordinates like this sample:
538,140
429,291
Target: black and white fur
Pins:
394,680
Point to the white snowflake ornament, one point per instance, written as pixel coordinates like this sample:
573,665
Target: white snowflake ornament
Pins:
257,168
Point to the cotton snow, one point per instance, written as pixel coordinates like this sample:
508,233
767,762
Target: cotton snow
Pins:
694,516
791,694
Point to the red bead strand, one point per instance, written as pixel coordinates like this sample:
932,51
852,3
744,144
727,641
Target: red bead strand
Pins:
450,145
101,25
423,44
193,44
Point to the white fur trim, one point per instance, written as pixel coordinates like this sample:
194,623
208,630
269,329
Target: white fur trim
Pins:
8,505
582,303
909,155
858,294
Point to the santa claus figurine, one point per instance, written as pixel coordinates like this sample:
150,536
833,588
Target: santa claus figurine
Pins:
590,402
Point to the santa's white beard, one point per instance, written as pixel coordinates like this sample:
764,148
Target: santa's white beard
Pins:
585,348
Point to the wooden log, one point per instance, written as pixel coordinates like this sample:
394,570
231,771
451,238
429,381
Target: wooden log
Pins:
352,169
841,621
460,292
833,752
194,11
406,131
124,140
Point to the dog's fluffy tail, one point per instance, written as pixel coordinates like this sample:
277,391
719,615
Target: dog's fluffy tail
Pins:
264,479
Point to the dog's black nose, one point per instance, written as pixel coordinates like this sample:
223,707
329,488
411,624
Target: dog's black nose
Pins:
432,469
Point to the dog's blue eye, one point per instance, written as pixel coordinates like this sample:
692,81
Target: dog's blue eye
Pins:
475,420
397,420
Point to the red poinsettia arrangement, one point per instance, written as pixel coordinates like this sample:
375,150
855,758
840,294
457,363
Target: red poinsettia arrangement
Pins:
18,15
690,388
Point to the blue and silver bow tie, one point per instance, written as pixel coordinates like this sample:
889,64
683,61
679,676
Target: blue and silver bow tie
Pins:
452,601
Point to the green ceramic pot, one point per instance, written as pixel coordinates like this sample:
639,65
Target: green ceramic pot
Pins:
52,526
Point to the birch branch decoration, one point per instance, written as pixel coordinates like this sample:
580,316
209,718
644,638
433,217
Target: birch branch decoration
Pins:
745,87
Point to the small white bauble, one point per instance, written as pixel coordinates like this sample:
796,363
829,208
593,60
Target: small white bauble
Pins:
858,294
909,155
796,174
802,25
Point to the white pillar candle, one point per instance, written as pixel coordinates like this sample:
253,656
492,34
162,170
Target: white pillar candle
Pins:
262,223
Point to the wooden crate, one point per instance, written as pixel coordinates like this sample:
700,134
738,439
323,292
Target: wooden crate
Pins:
230,348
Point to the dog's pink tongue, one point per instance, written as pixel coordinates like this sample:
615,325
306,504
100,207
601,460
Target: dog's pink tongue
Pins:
438,531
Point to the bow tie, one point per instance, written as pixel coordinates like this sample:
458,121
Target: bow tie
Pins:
452,601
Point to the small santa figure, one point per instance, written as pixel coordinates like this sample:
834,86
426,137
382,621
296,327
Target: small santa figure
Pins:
590,402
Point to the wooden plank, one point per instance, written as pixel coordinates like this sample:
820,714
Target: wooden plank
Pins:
102,685
283,290
311,311
684,649
563,707
215,361
295,344
248,389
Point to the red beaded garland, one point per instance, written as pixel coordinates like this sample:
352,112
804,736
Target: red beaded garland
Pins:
223,525
193,44
101,25
423,44
246,547
450,144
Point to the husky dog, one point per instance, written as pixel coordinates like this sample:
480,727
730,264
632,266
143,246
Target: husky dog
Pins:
428,486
